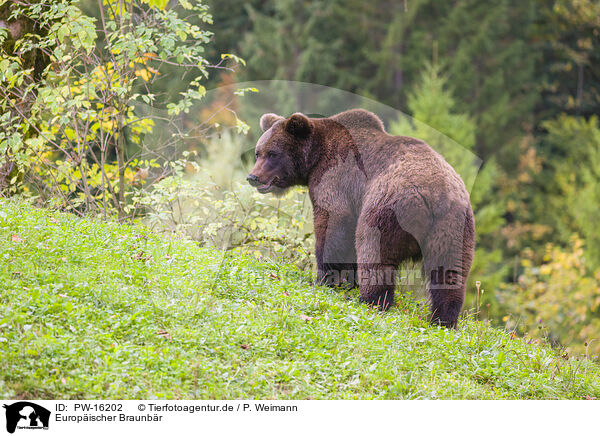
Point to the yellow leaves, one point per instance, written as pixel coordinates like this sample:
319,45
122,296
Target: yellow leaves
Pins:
524,177
581,311
103,72
160,4
129,175
511,205
563,293
70,133
144,74
233,57
107,125
585,43
186,4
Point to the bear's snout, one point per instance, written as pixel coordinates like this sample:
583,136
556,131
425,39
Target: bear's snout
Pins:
253,180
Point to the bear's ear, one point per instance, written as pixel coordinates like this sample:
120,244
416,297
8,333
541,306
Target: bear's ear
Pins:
299,125
267,120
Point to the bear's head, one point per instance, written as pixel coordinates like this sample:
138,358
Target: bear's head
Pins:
281,153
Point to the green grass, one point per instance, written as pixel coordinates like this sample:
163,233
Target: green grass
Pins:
91,309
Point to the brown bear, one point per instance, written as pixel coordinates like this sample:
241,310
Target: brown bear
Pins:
378,200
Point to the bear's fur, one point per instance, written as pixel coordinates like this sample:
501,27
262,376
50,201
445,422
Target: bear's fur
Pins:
378,200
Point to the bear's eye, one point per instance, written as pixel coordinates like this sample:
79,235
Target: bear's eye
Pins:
271,154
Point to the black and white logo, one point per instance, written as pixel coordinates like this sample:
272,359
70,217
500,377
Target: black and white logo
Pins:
26,415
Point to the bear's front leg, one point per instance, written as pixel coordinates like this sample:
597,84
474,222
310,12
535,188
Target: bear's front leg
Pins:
335,249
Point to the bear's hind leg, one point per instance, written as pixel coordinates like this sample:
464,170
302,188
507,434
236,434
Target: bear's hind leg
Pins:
381,245
448,256
445,306
377,283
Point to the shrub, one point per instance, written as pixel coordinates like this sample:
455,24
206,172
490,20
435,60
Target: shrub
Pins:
210,201
558,299
75,129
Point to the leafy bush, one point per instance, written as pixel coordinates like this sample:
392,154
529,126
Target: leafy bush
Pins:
75,129
210,201
558,299
574,189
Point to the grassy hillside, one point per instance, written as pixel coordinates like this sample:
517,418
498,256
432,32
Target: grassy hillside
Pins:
91,309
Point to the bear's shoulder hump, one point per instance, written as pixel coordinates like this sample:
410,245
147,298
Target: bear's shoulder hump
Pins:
359,118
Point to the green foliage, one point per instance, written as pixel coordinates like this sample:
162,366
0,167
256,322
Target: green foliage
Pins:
215,206
558,299
303,25
97,310
82,138
573,189
379,49
569,32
